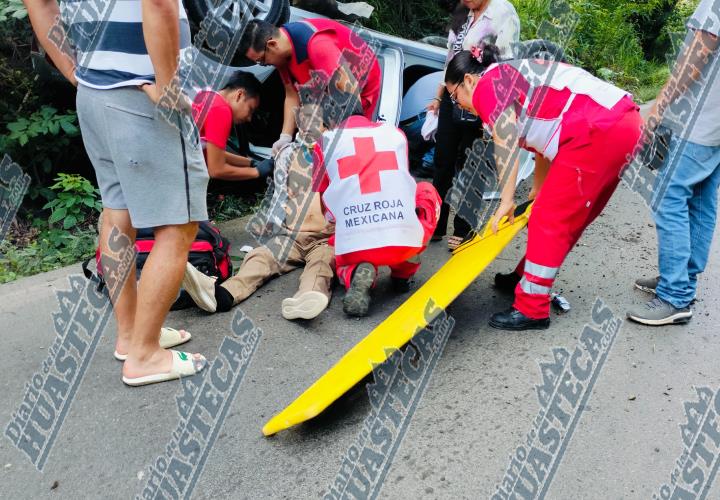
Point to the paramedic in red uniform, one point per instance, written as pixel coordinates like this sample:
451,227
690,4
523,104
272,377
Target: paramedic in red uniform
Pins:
216,113
296,49
382,216
581,129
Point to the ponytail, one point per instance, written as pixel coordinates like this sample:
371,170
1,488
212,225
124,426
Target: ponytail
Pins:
473,61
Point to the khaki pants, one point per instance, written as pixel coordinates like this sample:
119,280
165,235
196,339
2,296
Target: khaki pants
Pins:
310,249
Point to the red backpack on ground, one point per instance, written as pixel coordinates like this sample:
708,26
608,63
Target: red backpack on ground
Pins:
209,253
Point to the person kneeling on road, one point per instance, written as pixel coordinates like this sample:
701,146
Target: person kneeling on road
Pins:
299,242
215,114
383,218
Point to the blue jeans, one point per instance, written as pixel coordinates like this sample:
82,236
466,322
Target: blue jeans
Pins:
685,218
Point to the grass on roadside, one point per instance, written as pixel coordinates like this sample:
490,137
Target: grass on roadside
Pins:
223,207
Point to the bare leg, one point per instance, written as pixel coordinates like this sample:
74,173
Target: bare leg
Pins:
124,306
158,287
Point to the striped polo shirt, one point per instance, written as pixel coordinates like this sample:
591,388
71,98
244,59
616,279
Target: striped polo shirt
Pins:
107,36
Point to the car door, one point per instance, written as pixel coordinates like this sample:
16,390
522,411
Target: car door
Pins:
391,65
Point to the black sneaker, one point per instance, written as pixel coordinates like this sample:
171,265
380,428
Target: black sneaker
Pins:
357,299
512,319
400,285
507,282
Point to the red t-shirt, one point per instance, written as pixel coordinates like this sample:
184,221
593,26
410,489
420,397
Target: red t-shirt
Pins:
213,116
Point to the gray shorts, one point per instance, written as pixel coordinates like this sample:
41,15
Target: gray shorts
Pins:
143,164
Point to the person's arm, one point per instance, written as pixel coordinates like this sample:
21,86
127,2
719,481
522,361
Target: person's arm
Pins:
346,82
161,30
687,70
292,101
434,105
320,179
507,159
43,15
237,160
218,168
542,166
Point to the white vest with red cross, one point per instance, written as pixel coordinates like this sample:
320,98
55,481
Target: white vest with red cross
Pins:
371,193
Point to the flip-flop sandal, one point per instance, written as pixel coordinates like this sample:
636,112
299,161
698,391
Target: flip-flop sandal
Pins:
169,337
184,364
454,242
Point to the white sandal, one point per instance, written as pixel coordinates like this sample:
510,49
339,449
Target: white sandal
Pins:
184,364
169,337
454,242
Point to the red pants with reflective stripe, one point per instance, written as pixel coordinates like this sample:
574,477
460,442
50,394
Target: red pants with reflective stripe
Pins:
404,262
580,182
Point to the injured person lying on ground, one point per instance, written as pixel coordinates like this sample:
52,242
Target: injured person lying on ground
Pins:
299,239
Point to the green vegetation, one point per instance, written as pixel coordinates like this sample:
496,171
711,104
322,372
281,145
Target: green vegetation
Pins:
35,245
75,195
408,18
627,43
12,9
223,207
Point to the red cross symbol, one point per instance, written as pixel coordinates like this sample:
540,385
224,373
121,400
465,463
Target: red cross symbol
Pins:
367,164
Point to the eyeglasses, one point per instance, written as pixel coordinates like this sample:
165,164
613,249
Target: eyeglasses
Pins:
261,61
453,94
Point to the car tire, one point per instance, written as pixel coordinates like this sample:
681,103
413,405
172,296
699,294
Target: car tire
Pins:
278,13
541,49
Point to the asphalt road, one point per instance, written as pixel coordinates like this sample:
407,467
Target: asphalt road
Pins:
476,410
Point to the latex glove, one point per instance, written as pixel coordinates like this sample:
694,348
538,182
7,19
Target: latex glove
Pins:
282,141
264,167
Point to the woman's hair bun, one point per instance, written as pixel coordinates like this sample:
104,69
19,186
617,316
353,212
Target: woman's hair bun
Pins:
473,61
489,54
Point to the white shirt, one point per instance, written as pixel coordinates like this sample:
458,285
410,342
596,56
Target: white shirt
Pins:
498,19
